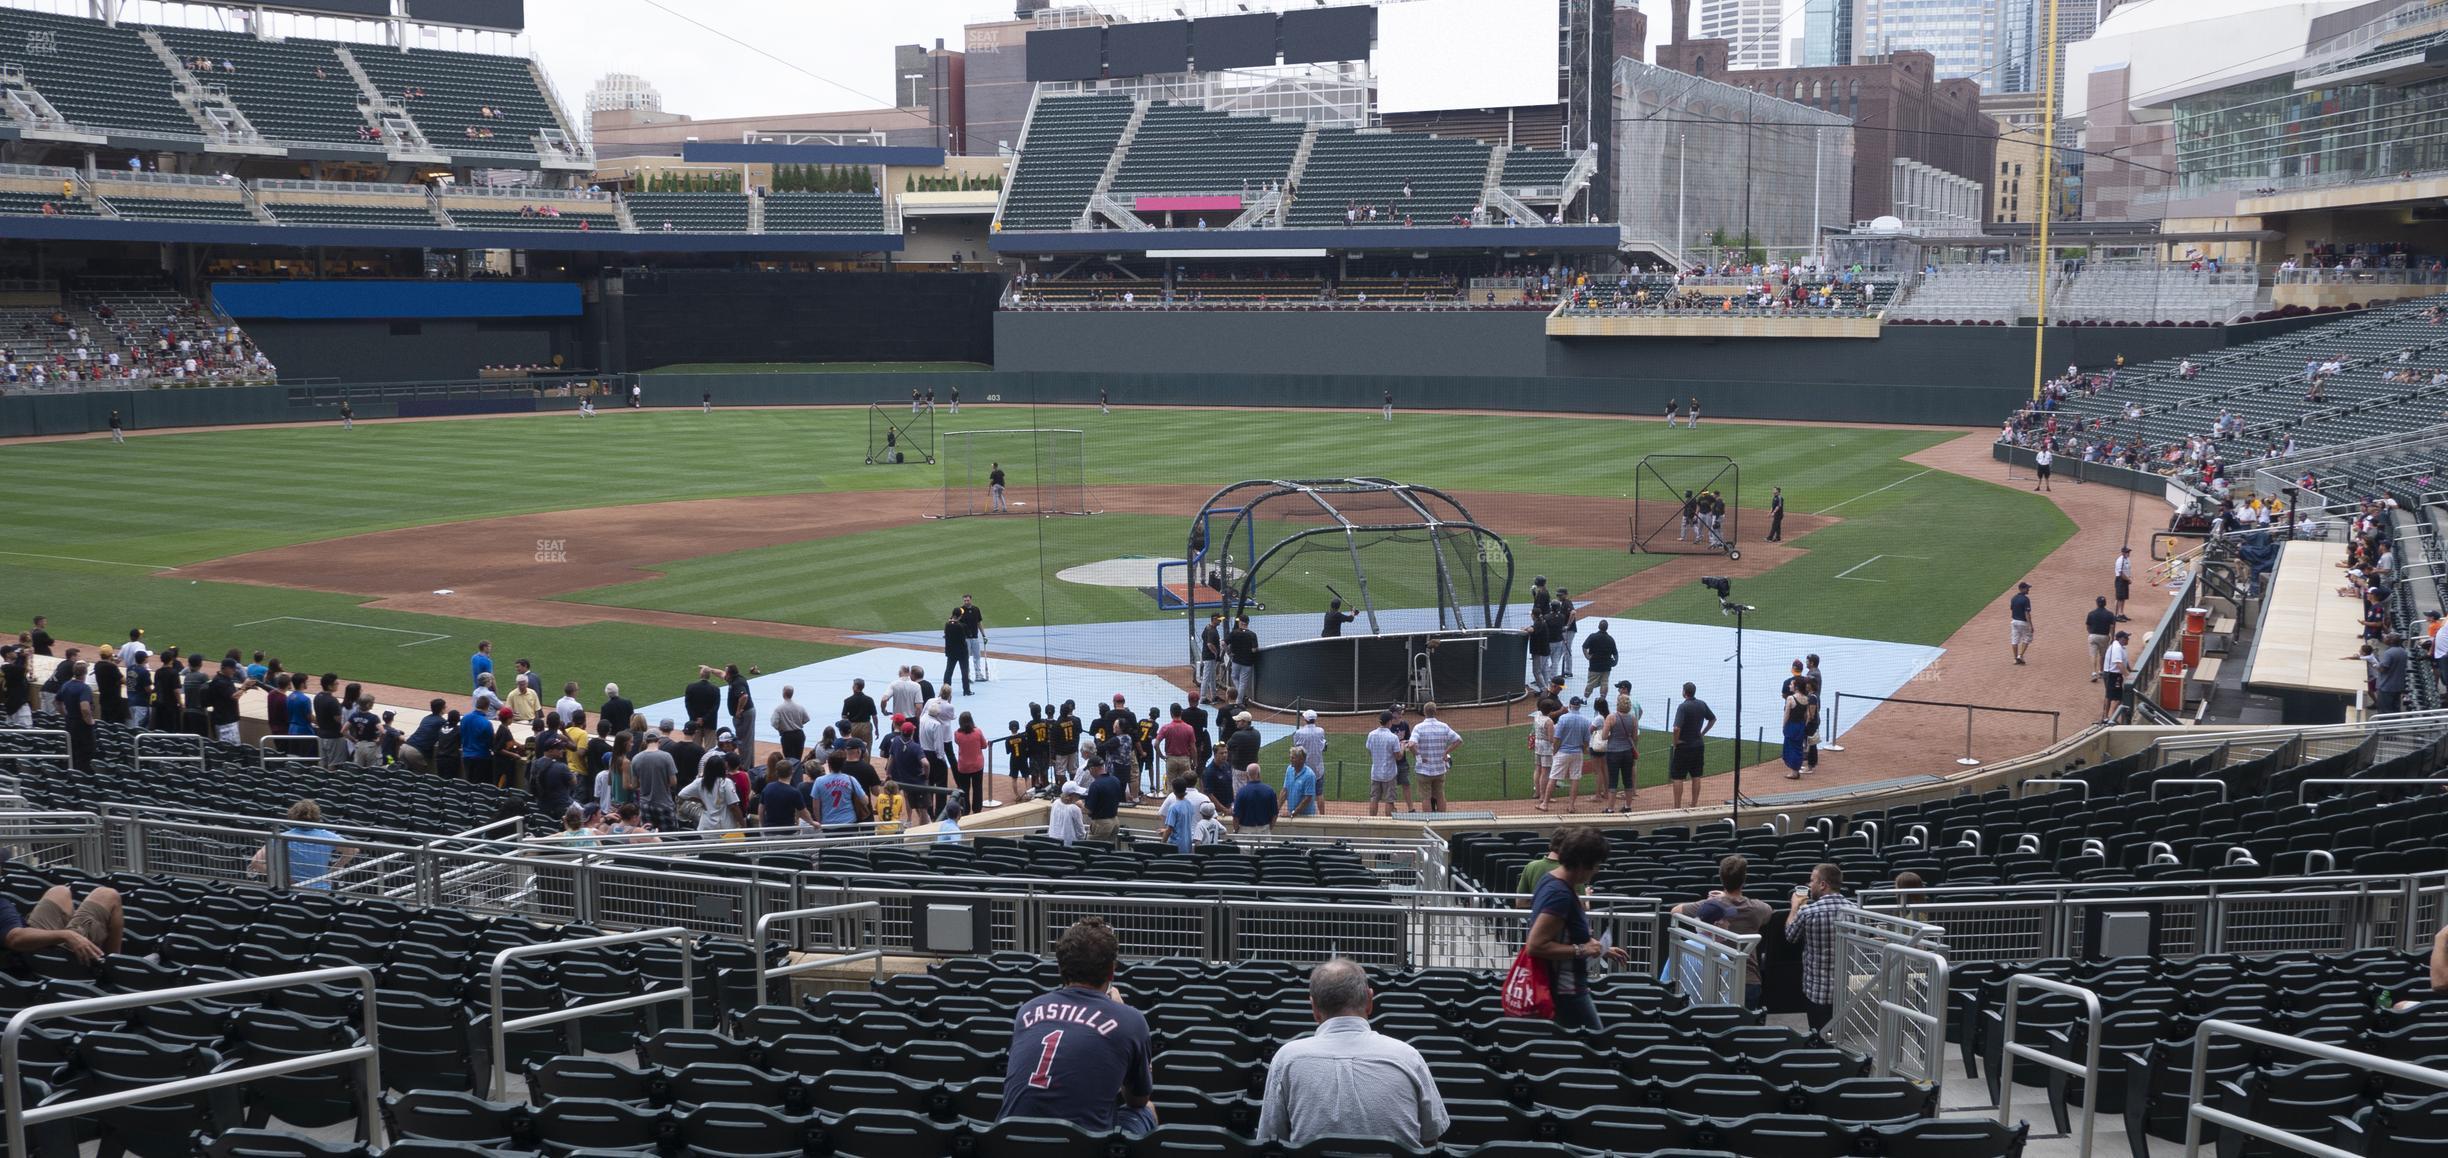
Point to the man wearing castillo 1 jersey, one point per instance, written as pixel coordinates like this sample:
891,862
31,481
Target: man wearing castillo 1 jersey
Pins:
1079,1054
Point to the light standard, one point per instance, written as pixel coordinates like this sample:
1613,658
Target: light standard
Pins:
1678,237
913,78
1724,588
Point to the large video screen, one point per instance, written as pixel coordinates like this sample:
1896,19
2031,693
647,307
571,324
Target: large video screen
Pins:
1311,35
509,15
1143,49
1234,41
1066,53
1466,54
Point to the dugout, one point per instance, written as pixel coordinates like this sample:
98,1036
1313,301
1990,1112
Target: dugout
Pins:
1426,586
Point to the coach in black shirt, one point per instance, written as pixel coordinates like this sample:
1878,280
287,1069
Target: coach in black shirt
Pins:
859,710
2099,624
16,688
614,717
1692,720
703,701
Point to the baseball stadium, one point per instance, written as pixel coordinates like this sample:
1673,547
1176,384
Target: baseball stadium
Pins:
1443,577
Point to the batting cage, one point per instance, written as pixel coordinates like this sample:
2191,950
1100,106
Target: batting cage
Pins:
896,434
1423,584
1687,504
1041,468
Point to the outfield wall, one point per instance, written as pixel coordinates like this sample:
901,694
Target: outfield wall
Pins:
1951,376
1944,375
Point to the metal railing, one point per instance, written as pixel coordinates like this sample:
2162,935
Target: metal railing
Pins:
2331,914
1836,713
365,1052
1712,966
358,188
2303,791
871,910
2010,1049
1863,938
2188,782
502,1028
2057,781
2198,1109
1912,988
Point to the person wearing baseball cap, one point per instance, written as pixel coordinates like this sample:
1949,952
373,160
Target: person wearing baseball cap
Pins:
2113,669
1241,748
1311,737
2019,621
1066,821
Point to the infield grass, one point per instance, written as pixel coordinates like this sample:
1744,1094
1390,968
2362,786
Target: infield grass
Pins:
86,523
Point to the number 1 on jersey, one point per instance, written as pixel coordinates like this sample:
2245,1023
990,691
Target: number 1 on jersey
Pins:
1043,1078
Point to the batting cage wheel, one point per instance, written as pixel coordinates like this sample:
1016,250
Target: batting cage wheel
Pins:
898,434
1042,472
1687,504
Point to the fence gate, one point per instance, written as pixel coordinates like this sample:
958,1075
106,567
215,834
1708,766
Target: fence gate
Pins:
1891,986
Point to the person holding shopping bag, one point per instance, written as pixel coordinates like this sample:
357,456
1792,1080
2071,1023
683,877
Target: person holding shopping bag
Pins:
1555,956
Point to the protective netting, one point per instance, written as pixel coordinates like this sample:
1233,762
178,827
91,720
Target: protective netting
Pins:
1379,548
1686,504
1042,472
898,434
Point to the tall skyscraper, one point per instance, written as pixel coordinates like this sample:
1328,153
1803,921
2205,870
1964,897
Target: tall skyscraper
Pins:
1827,33
1751,29
1969,37
2027,35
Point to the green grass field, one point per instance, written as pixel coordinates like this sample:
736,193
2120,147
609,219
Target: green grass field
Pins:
831,579
87,523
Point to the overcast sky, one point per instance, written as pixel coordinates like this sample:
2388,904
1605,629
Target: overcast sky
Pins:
846,43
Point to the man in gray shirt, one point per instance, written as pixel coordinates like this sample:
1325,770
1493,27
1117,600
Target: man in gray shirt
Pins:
1346,1079
2389,675
654,772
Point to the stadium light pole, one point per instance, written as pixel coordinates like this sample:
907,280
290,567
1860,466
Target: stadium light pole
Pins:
1678,237
1724,588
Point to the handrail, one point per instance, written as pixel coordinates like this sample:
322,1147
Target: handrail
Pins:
874,911
2221,785
2059,781
501,1030
369,1090
2088,1071
1722,957
2197,1111
2303,791
1836,713
1892,1011
59,732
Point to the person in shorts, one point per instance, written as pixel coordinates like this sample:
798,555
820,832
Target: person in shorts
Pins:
1385,751
2112,677
1402,763
1572,740
87,930
1692,720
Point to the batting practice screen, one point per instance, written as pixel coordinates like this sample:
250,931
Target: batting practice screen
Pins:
1041,472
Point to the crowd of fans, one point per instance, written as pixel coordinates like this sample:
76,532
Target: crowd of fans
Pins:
89,348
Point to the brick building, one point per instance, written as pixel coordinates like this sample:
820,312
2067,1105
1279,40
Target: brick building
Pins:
1898,106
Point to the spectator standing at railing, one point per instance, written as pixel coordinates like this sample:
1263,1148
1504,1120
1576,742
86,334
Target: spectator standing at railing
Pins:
1816,910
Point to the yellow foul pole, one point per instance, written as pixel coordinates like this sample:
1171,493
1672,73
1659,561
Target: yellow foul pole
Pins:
2048,162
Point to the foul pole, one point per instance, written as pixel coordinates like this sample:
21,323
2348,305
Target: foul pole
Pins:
2048,164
